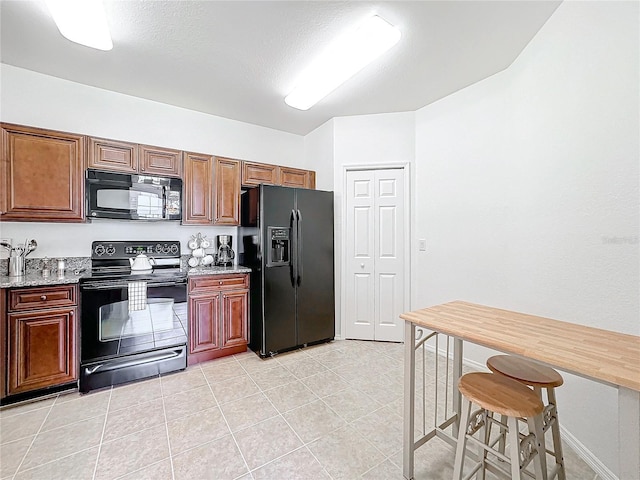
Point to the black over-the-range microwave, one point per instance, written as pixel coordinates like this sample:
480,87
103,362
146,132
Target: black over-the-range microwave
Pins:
132,197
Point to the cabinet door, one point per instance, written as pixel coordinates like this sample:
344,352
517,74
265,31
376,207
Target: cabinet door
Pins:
41,349
204,321
197,189
227,191
234,318
256,173
160,161
294,177
42,177
112,155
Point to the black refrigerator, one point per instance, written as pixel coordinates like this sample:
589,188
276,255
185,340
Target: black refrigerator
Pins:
287,240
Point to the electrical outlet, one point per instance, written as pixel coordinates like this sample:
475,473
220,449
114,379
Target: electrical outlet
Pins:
422,245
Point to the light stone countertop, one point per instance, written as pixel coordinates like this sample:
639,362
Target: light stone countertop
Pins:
213,270
35,278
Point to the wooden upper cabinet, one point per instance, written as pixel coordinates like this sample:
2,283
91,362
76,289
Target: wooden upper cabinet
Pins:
160,161
256,173
105,154
227,191
295,177
197,195
42,175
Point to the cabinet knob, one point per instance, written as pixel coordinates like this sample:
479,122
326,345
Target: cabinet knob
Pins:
71,313
362,265
220,282
43,297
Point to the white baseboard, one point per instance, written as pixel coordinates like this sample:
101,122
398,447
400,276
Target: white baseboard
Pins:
585,454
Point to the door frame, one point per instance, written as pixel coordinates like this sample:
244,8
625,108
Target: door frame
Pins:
406,167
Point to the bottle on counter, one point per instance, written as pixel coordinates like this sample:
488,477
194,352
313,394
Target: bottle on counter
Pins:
45,267
61,267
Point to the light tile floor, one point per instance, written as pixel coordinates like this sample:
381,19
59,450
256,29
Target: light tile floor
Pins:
332,411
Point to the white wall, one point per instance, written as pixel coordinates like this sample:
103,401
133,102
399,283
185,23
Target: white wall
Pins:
318,155
369,140
529,193
34,99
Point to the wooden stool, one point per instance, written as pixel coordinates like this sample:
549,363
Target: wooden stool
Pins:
513,400
537,377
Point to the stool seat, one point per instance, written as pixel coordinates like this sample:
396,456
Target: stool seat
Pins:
525,371
500,394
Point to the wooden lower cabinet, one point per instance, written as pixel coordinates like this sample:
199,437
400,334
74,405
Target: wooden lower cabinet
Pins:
218,316
41,340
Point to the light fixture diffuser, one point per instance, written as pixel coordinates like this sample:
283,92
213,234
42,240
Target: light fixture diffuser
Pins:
82,21
341,60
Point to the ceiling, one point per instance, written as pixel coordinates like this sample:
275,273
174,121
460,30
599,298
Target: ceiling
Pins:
238,59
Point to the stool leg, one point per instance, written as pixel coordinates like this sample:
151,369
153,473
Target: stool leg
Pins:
555,431
462,439
514,447
482,453
503,434
540,460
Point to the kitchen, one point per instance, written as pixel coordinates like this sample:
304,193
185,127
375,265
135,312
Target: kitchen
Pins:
551,214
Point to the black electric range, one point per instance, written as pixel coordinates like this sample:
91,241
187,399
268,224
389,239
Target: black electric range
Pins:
133,323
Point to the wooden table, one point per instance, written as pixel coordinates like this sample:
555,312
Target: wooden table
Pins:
601,355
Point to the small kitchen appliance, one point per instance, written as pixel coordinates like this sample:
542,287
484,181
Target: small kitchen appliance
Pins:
134,321
132,197
225,254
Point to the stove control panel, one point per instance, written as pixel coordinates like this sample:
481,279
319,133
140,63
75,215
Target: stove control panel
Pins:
119,250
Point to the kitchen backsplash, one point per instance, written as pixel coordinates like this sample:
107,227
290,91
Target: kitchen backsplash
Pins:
56,240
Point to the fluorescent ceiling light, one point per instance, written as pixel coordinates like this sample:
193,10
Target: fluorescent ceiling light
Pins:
82,21
341,60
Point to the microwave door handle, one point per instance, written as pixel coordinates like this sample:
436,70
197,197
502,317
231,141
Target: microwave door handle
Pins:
164,201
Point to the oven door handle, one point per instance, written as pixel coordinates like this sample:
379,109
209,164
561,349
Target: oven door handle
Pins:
111,286
116,364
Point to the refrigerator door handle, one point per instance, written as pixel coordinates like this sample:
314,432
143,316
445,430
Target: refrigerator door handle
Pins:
299,261
294,248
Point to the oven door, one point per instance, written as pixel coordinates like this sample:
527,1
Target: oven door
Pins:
131,330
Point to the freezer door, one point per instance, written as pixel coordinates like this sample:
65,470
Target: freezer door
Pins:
315,293
278,295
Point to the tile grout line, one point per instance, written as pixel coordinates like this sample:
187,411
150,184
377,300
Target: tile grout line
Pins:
224,417
104,428
166,427
303,443
34,438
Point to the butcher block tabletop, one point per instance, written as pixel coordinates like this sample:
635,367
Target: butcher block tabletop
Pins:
602,355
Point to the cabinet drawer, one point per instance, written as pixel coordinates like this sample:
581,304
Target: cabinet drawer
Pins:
218,282
34,298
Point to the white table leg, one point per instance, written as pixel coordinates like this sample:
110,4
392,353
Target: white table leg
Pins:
628,434
457,373
408,435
